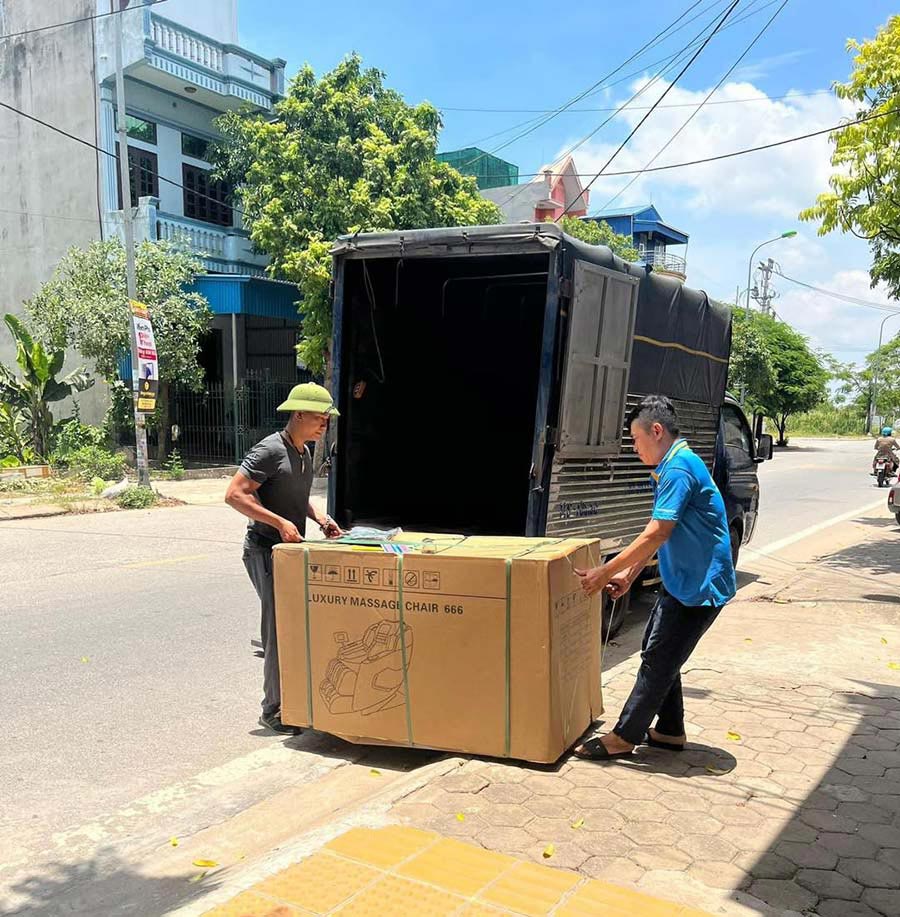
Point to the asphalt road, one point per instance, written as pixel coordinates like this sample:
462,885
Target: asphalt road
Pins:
127,667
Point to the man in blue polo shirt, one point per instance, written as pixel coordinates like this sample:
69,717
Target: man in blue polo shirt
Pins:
689,530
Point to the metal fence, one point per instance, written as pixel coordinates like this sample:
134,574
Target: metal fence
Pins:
219,425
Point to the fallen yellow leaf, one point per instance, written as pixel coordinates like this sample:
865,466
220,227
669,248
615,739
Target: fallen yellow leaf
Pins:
174,841
578,824
460,816
734,736
894,665
549,850
884,641
85,659
198,877
748,640
205,864
375,772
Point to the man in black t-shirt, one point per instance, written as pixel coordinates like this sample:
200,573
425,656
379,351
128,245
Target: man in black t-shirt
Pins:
272,489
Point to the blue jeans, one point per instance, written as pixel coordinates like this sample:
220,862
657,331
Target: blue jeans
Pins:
671,635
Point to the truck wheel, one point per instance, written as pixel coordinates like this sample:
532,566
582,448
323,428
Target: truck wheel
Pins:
614,614
734,536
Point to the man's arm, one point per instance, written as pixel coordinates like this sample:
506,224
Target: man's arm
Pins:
633,559
241,495
330,529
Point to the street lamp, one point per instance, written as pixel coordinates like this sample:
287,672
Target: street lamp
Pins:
785,235
874,397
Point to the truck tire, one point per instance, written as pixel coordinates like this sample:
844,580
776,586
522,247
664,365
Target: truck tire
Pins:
614,614
734,535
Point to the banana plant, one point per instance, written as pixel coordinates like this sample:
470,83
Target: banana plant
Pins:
37,388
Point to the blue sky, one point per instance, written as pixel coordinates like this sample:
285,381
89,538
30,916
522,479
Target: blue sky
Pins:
529,55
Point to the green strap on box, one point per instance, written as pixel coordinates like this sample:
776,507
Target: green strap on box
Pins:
309,697
409,727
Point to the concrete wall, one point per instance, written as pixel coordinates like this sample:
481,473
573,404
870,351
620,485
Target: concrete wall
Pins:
215,18
48,183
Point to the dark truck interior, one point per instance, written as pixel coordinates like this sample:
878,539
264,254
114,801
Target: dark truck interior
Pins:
440,369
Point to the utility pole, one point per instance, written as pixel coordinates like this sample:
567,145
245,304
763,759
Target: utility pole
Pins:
140,429
766,292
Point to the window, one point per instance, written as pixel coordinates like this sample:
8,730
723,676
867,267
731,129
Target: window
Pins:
195,147
139,129
143,172
204,198
738,441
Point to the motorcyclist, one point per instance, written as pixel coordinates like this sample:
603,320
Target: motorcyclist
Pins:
886,445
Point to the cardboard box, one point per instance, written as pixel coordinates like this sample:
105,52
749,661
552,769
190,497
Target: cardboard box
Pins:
487,646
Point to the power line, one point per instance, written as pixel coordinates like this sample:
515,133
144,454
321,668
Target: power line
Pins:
643,120
49,216
843,297
59,25
544,111
575,99
698,108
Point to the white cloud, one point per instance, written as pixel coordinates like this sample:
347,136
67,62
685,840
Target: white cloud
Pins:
763,67
773,183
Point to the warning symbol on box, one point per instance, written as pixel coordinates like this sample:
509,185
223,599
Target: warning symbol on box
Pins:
411,579
351,575
332,574
370,576
315,571
388,578
432,581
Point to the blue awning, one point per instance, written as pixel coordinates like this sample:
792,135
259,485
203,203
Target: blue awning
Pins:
229,294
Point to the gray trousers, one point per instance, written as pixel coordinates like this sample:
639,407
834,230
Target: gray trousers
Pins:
258,563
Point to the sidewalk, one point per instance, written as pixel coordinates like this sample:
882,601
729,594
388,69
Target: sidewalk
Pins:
787,800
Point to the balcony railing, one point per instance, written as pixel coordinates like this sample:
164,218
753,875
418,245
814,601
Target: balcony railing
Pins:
172,38
663,261
229,249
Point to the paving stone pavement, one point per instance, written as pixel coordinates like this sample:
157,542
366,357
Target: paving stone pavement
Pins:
787,800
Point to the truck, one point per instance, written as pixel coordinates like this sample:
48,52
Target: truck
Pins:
484,375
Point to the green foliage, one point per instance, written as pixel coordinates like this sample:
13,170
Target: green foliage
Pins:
342,154
864,195
800,375
96,462
32,393
828,420
10,461
751,368
136,497
70,435
600,233
14,435
98,485
173,466
85,305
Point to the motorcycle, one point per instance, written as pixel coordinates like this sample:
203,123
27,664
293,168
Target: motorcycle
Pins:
884,468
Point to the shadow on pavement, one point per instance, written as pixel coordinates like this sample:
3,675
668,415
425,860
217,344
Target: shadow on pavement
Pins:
839,856
107,885
880,558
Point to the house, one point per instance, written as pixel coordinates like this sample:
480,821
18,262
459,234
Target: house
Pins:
554,191
183,68
651,237
488,171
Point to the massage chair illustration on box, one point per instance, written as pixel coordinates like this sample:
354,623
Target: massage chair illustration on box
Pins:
366,676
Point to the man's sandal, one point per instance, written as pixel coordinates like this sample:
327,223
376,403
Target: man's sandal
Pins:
595,750
668,746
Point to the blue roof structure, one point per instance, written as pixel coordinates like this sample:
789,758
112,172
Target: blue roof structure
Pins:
643,218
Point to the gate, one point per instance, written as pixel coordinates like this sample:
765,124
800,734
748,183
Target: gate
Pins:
219,425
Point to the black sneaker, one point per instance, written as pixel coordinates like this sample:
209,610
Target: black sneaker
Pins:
273,721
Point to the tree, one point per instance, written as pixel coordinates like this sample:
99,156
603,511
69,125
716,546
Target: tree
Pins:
883,373
865,190
750,369
85,305
800,377
600,233
32,393
342,154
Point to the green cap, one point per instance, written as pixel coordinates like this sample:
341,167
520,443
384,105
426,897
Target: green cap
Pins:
309,397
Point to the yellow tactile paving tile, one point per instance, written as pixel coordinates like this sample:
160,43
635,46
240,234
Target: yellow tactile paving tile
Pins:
401,898
250,904
320,883
404,872
384,847
529,889
458,867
